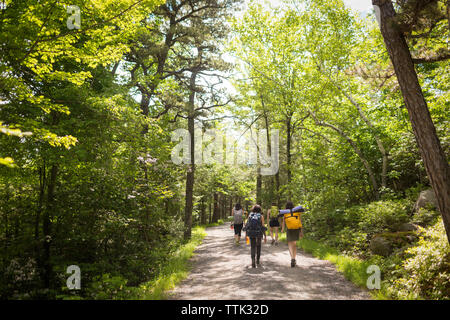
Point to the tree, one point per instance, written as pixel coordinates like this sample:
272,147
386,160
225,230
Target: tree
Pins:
428,142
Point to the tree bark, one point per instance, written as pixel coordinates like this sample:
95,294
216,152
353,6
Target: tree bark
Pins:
210,211
215,216
269,148
202,211
289,155
427,140
46,226
258,184
191,169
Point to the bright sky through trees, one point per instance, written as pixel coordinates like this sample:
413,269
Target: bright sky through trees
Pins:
359,5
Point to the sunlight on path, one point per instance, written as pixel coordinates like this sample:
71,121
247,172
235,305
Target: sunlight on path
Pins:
222,271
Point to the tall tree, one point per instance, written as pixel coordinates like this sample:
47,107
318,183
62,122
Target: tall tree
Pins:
433,156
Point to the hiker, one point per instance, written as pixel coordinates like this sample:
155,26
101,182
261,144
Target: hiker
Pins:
294,231
255,230
274,222
238,222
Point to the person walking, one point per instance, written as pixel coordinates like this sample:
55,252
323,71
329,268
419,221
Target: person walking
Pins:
293,223
255,230
238,222
274,222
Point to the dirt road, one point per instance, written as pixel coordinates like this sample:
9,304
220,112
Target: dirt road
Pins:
222,271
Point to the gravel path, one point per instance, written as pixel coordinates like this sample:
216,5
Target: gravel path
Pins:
222,271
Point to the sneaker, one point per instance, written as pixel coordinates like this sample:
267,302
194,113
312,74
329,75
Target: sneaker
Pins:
293,263
273,241
253,263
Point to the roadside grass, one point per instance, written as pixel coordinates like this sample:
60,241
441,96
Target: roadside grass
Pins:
174,271
215,224
352,268
177,268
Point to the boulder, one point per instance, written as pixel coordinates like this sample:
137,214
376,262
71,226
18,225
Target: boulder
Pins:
403,227
426,198
380,246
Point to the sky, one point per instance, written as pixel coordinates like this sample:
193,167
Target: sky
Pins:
359,5
362,6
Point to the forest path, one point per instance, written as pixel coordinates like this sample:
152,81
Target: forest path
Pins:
222,271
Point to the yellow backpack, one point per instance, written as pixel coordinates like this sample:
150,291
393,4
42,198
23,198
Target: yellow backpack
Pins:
273,211
293,220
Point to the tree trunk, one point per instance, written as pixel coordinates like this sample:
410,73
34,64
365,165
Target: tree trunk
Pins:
202,211
6,223
46,226
427,140
289,156
215,216
42,186
269,148
258,184
191,169
210,211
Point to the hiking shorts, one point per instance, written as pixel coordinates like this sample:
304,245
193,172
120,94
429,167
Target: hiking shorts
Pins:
274,222
293,235
238,229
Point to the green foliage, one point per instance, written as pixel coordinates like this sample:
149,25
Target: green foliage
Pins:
109,288
426,216
383,215
86,175
426,270
175,270
352,228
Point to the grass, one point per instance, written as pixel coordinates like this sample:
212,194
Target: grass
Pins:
175,270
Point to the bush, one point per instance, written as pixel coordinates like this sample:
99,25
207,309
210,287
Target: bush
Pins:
426,217
384,215
350,229
427,269
110,287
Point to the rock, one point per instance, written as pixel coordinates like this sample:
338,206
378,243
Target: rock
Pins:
406,227
411,238
426,197
380,246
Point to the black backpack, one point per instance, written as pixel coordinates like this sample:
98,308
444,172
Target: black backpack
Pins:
254,225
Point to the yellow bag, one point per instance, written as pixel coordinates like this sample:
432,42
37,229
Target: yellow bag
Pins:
273,211
293,220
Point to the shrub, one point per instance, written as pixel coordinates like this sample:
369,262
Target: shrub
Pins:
426,217
427,269
384,215
110,288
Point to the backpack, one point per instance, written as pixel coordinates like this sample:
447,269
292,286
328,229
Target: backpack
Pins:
254,227
292,220
274,212
238,216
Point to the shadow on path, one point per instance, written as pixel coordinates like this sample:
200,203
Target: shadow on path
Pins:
222,271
